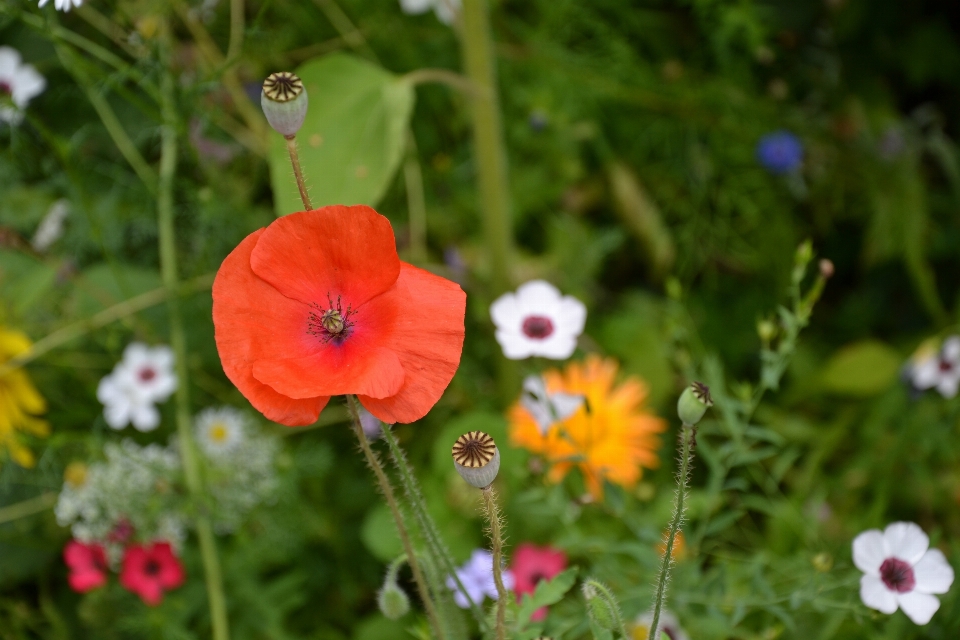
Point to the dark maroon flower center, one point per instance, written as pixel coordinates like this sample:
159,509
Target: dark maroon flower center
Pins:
152,568
945,366
147,374
670,633
6,88
897,575
537,327
330,323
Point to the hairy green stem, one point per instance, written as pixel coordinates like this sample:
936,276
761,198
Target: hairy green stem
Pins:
297,171
688,435
429,528
168,268
373,461
496,542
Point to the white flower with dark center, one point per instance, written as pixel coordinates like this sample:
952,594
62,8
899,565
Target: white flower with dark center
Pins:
940,371
19,83
901,571
668,623
144,377
546,408
62,5
538,320
220,430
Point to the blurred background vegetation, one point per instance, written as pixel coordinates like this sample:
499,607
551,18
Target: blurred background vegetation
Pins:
631,130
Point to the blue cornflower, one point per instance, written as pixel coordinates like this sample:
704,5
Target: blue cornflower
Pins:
780,152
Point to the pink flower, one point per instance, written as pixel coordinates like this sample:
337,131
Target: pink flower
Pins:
88,566
531,564
149,571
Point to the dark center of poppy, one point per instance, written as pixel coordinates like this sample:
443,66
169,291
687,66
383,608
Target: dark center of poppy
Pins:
946,366
330,323
537,327
147,374
151,568
897,575
6,88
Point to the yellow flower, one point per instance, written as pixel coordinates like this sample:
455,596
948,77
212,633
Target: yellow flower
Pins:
610,437
20,402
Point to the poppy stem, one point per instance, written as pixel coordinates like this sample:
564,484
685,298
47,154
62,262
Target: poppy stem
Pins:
430,531
496,541
297,172
178,341
688,435
373,461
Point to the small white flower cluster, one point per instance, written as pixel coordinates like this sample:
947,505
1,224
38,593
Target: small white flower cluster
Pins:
241,464
131,493
142,378
62,5
446,10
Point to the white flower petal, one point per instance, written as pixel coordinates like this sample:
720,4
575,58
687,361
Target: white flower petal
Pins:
446,10
919,607
869,551
573,315
514,345
27,83
117,414
9,61
415,7
951,349
947,385
876,595
136,353
926,374
145,417
505,312
905,540
559,346
566,404
933,573
539,297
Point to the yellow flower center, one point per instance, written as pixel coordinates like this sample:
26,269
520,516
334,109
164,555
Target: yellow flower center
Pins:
75,474
218,432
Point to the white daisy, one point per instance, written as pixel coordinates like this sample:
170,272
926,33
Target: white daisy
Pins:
547,408
668,623
900,570
538,321
220,430
941,370
19,83
143,377
62,5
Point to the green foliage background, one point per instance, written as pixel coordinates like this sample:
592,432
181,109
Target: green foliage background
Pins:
631,130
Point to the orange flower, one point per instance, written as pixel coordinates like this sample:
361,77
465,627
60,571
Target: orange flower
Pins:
318,304
609,438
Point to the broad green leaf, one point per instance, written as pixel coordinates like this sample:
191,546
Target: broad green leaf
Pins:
547,592
379,534
104,285
24,280
861,369
352,140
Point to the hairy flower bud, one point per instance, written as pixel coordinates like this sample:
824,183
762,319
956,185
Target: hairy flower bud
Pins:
476,458
600,607
393,601
693,403
284,102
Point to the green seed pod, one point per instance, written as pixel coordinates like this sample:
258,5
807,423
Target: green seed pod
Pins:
693,403
601,609
284,102
476,458
393,601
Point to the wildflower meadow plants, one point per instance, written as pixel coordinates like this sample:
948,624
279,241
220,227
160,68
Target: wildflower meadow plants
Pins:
564,320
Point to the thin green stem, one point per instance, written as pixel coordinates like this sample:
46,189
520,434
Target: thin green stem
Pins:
495,521
237,25
416,204
29,507
297,172
373,461
168,268
430,531
688,435
491,157
611,601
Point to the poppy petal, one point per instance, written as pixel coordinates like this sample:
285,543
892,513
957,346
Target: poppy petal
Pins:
331,251
427,336
247,313
374,371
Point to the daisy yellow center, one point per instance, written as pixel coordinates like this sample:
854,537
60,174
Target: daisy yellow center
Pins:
218,432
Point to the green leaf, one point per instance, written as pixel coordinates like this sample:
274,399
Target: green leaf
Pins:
547,592
379,534
352,140
861,369
24,280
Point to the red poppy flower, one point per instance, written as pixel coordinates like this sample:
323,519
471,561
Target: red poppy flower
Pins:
151,570
318,304
531,564
88,566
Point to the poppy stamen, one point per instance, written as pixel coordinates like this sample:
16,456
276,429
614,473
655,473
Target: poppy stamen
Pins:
331,323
